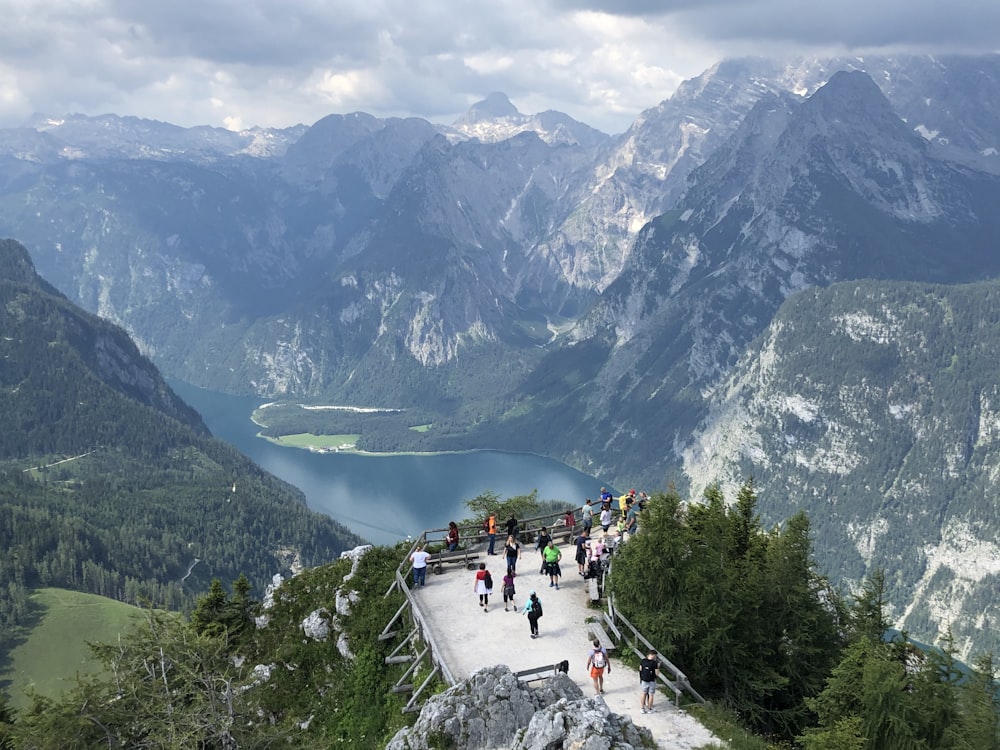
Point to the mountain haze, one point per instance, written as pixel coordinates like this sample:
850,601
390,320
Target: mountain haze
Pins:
525,282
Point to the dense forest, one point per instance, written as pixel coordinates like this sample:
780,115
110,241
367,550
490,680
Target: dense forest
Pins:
205,682
739,608
744,613
109,483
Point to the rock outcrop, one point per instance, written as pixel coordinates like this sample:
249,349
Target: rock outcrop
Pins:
493,709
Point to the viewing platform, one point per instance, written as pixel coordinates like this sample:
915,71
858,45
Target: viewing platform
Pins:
465,637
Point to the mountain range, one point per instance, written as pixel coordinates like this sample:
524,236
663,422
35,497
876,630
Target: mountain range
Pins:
526,282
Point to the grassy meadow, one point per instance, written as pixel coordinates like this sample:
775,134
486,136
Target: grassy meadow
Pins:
55,650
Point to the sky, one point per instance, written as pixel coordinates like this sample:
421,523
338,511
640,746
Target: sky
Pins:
277,63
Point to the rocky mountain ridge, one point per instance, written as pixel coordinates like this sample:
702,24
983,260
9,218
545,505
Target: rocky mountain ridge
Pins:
583,297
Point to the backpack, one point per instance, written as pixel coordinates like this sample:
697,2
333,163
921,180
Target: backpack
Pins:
488,580
598,659
536,607
647,670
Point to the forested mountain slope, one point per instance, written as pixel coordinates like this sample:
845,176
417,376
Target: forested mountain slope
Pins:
109,483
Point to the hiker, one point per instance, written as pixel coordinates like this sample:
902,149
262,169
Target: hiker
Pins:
597,662
483,586
512,527
512,551
569,520
491,532
606,519
582,542
540,544
508,591
605,498
419,559
632,519
648,672
533,609
552,558
452,536
587,513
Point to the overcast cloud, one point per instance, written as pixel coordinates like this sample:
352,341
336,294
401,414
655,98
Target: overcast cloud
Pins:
281,62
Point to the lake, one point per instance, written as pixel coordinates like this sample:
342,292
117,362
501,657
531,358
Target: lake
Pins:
387,498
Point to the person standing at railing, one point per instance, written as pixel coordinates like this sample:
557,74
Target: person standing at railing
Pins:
587,515
569,521
419,559
491,533
452,536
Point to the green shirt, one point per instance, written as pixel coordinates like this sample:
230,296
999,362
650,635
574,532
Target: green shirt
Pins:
552,554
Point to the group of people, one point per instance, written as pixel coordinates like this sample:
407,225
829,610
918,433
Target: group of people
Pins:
649,670
590,550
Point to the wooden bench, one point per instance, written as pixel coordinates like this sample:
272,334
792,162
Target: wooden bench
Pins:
538,673
465,556
600,634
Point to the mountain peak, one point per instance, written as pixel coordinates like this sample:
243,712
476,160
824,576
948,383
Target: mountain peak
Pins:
493,106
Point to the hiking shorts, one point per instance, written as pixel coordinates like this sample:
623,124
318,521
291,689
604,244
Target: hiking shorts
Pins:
647,688
596,672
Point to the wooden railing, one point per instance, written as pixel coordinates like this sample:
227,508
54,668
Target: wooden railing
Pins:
624,632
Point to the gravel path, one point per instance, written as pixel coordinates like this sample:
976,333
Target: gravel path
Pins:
470,638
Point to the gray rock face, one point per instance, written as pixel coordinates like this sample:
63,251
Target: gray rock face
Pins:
492,709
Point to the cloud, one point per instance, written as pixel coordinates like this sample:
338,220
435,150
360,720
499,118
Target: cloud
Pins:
280,62
964,25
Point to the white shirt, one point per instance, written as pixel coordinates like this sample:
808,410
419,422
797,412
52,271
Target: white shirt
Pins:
420,558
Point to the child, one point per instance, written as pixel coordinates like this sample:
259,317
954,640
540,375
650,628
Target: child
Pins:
508,591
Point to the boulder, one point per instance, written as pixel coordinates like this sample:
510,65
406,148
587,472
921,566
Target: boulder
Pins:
493,709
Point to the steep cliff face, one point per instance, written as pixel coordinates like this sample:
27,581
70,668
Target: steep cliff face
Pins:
874,407
504,227
804,194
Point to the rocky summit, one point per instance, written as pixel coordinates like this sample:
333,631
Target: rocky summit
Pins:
493,709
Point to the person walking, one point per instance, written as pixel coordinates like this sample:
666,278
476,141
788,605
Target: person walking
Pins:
483,586
509,591
649,669
540,544
582,543
552,557
512,551
419,559
452,540
533,609
597,663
